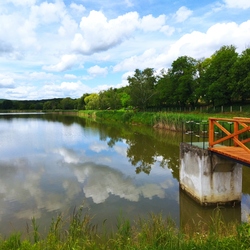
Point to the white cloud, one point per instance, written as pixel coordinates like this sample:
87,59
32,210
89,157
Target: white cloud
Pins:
6,82
99,34
195,44
167,30
129,3
70,76
22,2
5,47
55,36
65,89
67,62
40,75
147,59
97,70
150,23
15,32
241,4
47,12
68,27
182,14
77,7
198,44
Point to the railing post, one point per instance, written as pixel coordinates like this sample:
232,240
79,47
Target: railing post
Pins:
211,132
236,128
182,128
191,127
203,135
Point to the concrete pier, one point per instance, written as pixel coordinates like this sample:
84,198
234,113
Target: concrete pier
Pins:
208,178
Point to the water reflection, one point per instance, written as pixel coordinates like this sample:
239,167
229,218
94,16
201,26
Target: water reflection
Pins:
51,164
197,218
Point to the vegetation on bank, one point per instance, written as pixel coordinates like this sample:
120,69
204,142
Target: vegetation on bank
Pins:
163,120
154,232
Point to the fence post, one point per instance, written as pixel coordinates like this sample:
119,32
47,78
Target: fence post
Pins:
236,128
211,132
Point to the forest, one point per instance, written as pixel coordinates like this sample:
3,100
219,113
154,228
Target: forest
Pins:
222,79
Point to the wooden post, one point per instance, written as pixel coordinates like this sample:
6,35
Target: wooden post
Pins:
236,128
211,132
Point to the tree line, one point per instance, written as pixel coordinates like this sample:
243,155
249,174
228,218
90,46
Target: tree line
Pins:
222,79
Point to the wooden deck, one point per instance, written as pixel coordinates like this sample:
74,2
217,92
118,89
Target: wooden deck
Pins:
240,151
236,153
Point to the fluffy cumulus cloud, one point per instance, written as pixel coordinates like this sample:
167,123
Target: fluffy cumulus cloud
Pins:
47,12
79,41
99,34
195,44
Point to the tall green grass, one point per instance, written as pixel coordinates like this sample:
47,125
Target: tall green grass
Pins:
154,232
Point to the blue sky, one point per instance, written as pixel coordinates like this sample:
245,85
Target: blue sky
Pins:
63,48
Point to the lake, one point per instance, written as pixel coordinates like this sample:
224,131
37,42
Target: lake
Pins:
53,164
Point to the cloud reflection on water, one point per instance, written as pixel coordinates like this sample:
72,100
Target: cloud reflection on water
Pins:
36,189
101,181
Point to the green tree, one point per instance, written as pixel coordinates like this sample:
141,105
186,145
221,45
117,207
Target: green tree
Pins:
202,87
183,76
142,87
68,103
81,103
125,99
48,105
92,102
165,89
7,104
103,100
218,76
240,85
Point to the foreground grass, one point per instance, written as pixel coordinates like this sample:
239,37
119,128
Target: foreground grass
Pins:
155,232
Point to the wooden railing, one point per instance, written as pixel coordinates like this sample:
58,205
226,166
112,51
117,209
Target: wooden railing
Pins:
241,126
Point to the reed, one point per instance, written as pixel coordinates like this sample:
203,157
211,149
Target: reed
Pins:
153,232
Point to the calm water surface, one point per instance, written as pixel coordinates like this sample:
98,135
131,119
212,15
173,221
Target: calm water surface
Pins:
50,165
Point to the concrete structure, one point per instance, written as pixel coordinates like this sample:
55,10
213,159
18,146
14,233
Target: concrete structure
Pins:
208,178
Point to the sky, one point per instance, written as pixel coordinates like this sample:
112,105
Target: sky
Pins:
62,48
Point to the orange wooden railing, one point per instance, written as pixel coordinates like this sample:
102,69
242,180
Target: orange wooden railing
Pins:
241,125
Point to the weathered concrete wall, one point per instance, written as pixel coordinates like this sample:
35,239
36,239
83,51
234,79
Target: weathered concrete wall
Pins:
208,178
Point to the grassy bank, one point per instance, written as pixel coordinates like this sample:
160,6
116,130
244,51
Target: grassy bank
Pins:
155,232
164,120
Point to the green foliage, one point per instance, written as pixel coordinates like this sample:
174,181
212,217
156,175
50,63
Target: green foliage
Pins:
218,76
92,102
153,232
182,76
142,87
7,104
240,84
